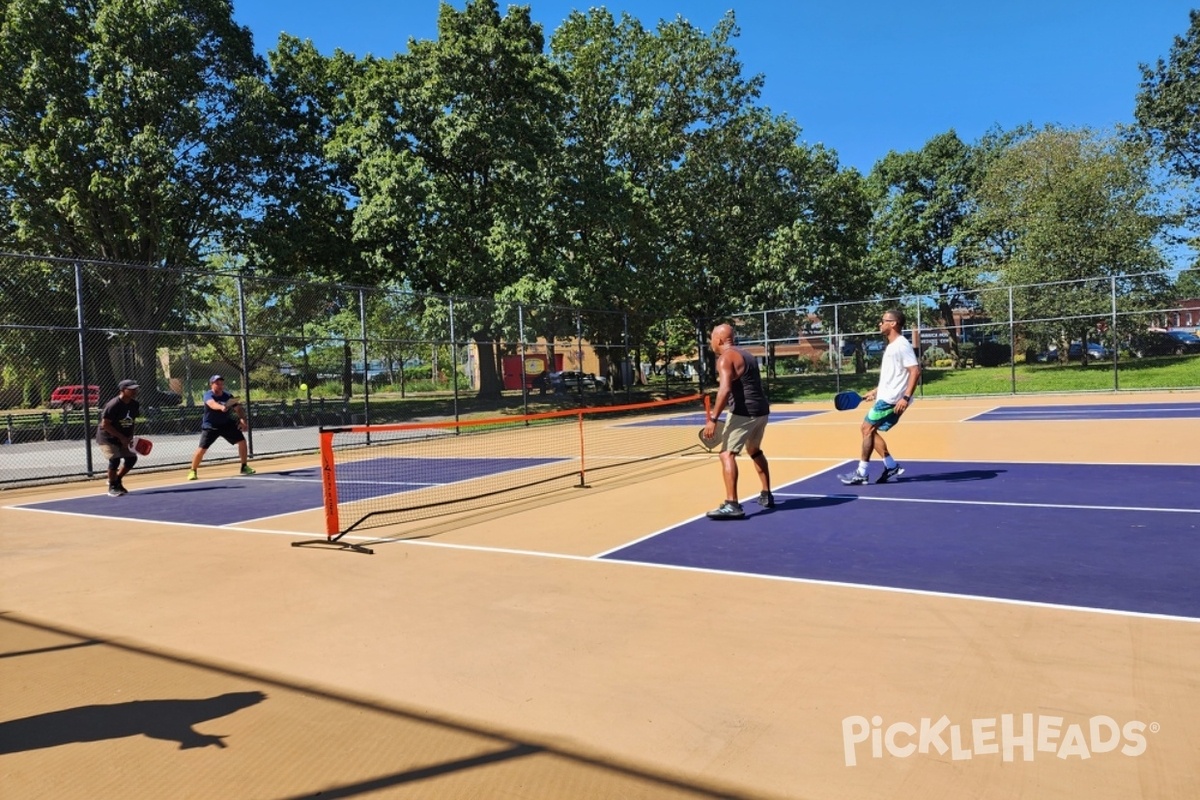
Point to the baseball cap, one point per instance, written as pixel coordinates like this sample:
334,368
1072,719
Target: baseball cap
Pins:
216,378
127,384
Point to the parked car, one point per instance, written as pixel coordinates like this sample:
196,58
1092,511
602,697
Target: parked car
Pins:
572,380
1095,351
1163,343
69,398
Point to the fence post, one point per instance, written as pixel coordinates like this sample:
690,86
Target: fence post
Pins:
245,357
579,351
626,362
1012,344
362,327
81,330
916,340
453,357
524,355
1112,283
767,360
835,363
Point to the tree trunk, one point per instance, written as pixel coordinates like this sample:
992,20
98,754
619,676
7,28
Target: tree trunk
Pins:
489,376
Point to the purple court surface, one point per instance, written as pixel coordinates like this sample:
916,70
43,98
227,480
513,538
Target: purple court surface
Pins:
1114,537
1092,411
234,500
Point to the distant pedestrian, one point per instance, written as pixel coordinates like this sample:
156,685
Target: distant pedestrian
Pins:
899,372
224,418
740,389
114,436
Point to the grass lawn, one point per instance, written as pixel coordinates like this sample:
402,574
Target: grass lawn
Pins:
1172,372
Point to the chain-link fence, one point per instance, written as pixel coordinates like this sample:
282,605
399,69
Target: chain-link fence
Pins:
304,354
299,354
1117,327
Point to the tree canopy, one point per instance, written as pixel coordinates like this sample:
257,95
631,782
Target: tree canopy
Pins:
611,166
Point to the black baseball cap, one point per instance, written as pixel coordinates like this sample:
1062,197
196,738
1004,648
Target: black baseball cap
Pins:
126,384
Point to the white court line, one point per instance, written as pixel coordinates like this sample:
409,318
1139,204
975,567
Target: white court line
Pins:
987,464
992,503
1070,409
782,492
344,481
138,520
599,559
788,579
259,478
1074,414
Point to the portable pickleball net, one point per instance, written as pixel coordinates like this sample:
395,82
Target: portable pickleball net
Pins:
382,475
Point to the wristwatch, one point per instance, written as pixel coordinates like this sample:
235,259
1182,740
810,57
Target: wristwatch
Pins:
908,398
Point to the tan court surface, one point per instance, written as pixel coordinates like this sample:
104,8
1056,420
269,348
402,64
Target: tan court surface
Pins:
492,656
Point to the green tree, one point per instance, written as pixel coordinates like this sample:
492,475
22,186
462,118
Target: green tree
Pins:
1187,284
125,138
1167,116
679,181
305,223
456,138
393,318
1058,209
820,258
1168,105
923,203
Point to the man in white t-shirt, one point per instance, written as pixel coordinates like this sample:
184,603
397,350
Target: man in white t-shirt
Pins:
898,376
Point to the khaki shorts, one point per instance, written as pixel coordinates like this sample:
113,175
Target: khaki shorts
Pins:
111,451
742,432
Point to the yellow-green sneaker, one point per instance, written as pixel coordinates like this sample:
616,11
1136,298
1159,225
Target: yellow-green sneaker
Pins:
247,469
192,475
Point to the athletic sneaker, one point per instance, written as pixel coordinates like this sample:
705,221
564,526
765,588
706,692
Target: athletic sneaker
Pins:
889,473
728,510
247,469
113,491
853,479
121,488
766,500
192,475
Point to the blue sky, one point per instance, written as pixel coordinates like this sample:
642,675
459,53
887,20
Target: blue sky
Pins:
862,77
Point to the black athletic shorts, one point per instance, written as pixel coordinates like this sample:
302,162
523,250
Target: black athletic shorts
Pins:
229,433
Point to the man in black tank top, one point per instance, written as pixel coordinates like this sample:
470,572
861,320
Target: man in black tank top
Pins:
740,390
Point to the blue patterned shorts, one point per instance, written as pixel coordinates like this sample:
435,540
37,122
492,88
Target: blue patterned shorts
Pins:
882,416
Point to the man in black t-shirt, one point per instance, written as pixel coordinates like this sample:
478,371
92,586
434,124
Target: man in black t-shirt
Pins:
114,436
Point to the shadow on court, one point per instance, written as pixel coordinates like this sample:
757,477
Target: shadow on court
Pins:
170,720
281,749
959,476
808,503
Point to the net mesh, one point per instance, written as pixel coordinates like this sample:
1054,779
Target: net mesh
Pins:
379,475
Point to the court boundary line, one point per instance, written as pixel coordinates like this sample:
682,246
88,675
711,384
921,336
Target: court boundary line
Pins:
902,462
226,526
1079,408
602,558
990,503
789,579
